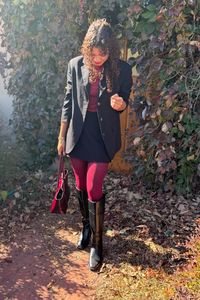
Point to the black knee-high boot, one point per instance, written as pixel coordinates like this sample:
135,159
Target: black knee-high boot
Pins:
85,235
96,217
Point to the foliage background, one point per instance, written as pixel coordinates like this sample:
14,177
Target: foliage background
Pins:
165,148
40,36
164,39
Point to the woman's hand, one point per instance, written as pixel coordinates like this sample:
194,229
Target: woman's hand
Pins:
117,102
61,146
62,138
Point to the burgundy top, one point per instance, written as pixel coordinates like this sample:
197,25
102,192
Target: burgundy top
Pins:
94,89
93,97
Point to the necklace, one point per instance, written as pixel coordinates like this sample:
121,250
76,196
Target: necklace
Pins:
96,74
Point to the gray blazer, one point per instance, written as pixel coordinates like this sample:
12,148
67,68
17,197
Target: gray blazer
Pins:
76,103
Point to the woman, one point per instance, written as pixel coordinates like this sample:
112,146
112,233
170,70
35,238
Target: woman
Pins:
98,88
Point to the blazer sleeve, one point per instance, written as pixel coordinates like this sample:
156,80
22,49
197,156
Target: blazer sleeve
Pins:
67,105
126,83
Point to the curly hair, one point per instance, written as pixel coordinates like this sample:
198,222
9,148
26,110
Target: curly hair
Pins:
101,36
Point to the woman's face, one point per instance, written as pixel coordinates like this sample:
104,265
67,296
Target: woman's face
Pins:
98,58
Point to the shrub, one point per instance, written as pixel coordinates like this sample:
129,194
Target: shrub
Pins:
39,37
164,150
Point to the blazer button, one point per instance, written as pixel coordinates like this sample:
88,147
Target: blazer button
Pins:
101,119
98,103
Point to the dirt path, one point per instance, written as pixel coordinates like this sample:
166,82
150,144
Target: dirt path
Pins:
148,238
42,262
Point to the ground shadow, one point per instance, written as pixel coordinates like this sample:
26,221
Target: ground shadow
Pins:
149,231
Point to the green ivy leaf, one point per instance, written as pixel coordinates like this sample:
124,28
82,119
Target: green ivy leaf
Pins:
18,2
149,15
149,28
152,7
3,195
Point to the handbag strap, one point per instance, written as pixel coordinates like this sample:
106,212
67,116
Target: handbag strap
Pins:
61,166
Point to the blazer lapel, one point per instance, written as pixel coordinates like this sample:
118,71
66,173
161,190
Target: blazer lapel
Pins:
85,76
102,86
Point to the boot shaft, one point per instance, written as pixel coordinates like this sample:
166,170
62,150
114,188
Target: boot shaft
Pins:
83,204
84,238
96,219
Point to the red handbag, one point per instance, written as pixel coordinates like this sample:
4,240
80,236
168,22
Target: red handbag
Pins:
60,201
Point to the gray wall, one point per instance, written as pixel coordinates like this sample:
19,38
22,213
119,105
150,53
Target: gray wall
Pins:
5,102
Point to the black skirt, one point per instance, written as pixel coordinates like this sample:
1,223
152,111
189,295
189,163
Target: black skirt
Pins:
90,146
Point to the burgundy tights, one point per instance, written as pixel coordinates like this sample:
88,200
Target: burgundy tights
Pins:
89,176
